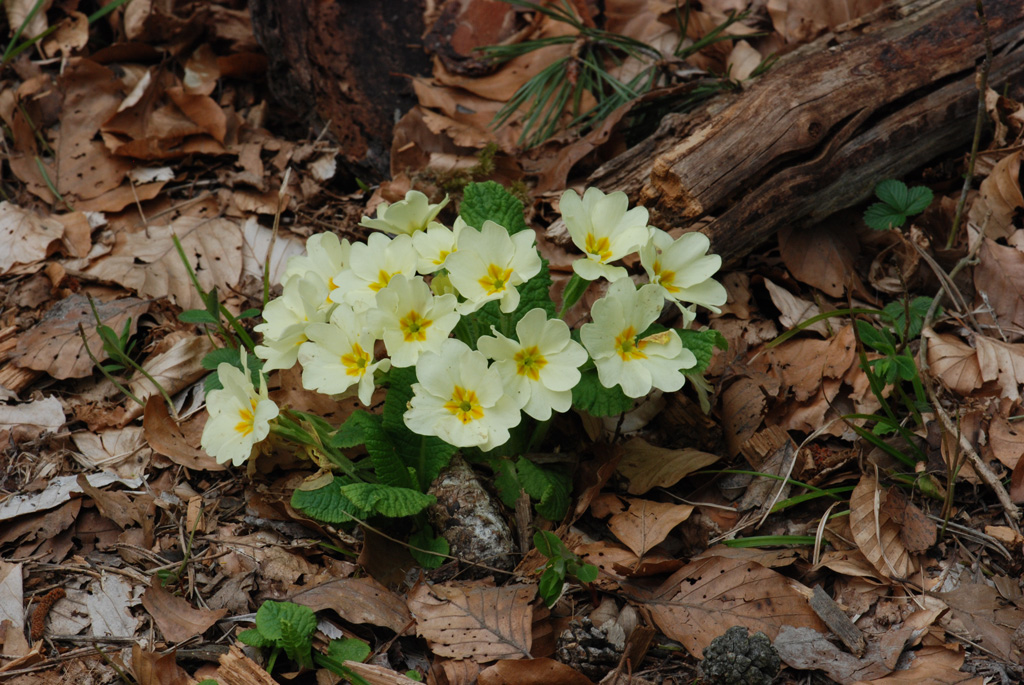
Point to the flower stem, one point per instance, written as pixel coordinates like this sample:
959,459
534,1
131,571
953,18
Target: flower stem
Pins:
574,290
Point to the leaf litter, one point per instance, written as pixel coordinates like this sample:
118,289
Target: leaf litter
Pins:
155,545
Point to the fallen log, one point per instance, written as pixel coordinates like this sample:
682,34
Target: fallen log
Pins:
877,99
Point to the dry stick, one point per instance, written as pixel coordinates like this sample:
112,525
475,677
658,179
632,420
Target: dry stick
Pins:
980,467
986,65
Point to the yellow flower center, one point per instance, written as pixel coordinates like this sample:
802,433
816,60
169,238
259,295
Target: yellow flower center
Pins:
601,247
356,362
464,405
248,416
529,362
496,279
443,255
627,346
383,278
664,277
414,326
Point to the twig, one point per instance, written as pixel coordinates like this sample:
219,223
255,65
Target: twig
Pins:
986,66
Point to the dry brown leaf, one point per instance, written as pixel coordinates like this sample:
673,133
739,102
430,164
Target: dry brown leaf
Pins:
475,621
532,672
17,12
25,237
931,665
743,409
999,198
646,523
54,345
358,600
803,364
1002,362
990,619
823,258
953,362
30,420
12,598
999,277
647,466
169,439
917,531
794,310
616,562
1006,440
175,368
108,605
154,668
177,619
72,35
148,263
806,649
122,451
706,597
877,535
377,675
457,671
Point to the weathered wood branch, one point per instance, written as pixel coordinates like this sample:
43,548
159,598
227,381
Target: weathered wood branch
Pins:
817,132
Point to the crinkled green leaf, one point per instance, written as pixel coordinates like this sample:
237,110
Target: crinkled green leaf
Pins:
387,500
327,503
353,431
490,201
424,539
255,638
551,488
295,639
893,193
426,455
271,613
702,344
595,399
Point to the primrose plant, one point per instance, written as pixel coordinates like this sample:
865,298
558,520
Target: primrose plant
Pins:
453,333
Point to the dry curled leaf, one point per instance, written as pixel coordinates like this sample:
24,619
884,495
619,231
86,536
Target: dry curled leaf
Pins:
647,466
25,237
875,532
646,523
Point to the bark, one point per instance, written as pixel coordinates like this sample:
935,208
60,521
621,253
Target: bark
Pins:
345,62
818,131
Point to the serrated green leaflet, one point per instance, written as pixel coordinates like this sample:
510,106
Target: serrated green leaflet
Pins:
295,639
702,344
490,201
426,455
595,399
897,314
882,217
387,500
270,615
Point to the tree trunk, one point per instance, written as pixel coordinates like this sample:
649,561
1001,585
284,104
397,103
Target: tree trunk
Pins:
345,62
821,128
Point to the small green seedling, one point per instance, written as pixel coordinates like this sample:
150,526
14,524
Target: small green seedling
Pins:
288,628
897,203
561,564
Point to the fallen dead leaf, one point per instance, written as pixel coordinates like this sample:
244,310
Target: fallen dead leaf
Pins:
807,649
171,440
154,668
377,675
25,237
823,258
12,598
917,532
794,310
475,621
999,282
1002,362
532,672
706,597
54,345
647,466
953,362
122,451
32,419
109,600
990,619
177,619
646,523
875,532
358,600
57,492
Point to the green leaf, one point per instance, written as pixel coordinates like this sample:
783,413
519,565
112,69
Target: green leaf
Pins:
387,500
882,217
702,344
905,367
896,314
227,355
506,480
548,544
197,316
586,573
424,539
550,586
271,613
327,504
349,649
552,489
880,340
490,201
918,199
255,638
296,642
893,193
595,399
353,431
426,455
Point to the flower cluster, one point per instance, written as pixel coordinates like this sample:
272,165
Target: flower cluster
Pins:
349,312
